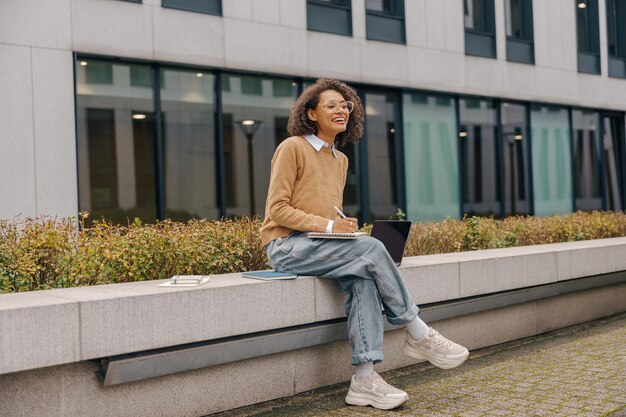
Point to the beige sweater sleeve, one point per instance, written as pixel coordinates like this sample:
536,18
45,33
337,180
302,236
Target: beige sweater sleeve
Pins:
282,181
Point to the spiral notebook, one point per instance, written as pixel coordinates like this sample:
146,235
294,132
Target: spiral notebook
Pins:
322,235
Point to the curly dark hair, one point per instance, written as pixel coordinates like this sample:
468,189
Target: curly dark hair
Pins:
300,124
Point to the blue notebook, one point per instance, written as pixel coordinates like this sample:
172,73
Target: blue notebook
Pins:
269,275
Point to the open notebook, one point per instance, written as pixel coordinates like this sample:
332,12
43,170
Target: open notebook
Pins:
322,235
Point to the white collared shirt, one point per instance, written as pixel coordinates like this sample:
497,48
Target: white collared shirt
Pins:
318,144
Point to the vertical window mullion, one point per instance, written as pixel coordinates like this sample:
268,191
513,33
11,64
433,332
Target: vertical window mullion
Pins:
158,144
219,146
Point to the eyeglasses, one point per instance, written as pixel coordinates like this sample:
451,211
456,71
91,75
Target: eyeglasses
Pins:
337,105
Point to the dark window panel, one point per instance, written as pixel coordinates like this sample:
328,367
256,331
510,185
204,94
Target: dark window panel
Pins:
329,16
587,169
480,24
200,6
613,161
519,30
385,20
479,157
588,37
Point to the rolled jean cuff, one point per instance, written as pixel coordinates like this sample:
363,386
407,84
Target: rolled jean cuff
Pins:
409,315
373,356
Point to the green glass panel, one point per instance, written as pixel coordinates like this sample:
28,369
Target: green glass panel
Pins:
552,170
430,157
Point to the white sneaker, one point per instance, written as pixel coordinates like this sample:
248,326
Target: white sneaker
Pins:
436,349
376,392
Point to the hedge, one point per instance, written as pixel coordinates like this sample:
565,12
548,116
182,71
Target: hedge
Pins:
44,253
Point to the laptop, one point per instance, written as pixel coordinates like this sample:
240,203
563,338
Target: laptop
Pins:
393,234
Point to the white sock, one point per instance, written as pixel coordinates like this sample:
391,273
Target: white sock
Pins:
364,371
417,328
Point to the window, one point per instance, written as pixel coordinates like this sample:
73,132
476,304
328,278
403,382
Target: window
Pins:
514,160
385,20
255,112
479,157
587,160
381,143
551,160
519,31
588,36
116,142
430,157
189,162
200,6
480,28
616,37
613,144
333,16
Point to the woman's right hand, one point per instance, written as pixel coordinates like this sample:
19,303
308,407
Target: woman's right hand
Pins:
346,225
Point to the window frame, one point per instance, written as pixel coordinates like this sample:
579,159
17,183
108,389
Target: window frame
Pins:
589,60
521,49
481,42
373,17
215,7
616,32
312,5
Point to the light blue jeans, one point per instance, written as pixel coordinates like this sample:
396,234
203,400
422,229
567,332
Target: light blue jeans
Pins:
365,271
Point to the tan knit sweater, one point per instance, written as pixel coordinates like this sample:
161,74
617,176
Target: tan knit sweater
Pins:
304,186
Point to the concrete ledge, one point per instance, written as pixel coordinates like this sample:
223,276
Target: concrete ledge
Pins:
85,323
72,389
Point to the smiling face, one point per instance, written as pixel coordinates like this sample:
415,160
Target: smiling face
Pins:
329,115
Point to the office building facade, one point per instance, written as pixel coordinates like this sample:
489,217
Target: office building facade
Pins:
173,108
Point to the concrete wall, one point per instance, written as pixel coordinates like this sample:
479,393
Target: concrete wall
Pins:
47,328
72,390
48,337
37,138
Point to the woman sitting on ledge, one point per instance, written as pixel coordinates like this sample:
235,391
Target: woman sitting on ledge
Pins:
307,181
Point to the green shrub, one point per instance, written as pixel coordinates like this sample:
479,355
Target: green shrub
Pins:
46,253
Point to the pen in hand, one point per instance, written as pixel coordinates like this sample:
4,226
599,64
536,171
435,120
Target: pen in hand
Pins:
339,212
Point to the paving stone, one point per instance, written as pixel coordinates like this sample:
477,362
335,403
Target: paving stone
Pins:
578,371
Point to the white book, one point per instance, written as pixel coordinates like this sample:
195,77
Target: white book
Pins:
186,281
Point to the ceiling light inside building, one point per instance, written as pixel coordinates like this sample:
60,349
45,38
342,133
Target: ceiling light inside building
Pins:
139,116
392,130
582,4
463,134
83,63
199,74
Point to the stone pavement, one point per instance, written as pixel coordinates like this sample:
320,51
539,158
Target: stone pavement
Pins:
577,371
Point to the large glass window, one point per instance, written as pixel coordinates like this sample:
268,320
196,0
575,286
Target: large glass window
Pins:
587,160
519,31
116,152
613,144
430,157
334,16
515,159
616,37
255,113
588,36
479,157
480,28
385,20
189,144
201,6
381,129
551,156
